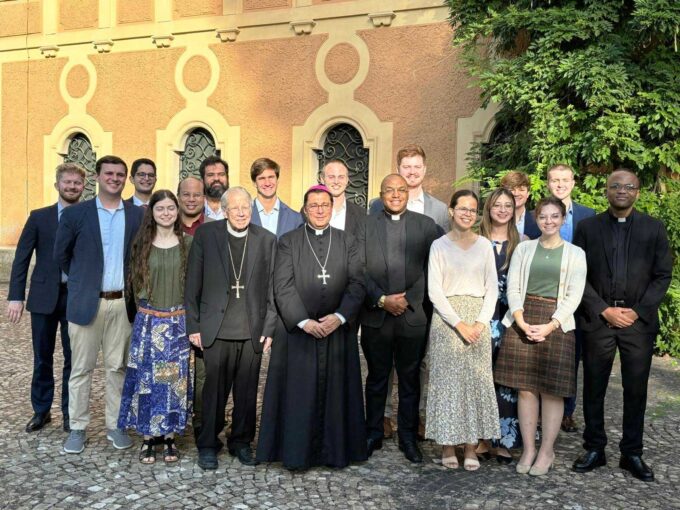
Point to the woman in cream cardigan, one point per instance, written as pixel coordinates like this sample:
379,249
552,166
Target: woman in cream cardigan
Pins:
545,285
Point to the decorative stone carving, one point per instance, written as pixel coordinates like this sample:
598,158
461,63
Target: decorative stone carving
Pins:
162,41
382,19
103,46
227,34
303,27
49,51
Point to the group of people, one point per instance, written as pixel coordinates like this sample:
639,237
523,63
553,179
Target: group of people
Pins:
483,322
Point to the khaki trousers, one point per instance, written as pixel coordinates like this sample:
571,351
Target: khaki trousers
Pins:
110,332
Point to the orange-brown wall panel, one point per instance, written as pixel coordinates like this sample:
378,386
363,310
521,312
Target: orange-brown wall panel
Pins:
20,18
135,96
416,82
253,5
31,107
134,11
78,14
267,87
187,8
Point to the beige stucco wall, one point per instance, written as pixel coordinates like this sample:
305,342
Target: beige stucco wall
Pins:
264,77
20,18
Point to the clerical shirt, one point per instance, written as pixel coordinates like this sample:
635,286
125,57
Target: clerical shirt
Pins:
235,323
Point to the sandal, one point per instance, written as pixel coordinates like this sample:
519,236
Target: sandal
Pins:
471,464
147,455
170,453
450,462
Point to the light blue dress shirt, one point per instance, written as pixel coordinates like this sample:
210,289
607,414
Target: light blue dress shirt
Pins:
60,209
269,221
520,223
112,229
567,228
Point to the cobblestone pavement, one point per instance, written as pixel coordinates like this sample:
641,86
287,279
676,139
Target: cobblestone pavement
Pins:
35,473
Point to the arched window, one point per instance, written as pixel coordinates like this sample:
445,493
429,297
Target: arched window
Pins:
199,145
344,142
80,151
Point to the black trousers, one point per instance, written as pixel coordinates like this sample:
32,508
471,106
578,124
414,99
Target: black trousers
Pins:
229,364
404,345
44,333
635,350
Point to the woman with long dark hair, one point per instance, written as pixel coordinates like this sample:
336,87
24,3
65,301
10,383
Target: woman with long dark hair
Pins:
546,280
157,393
463,287
498,226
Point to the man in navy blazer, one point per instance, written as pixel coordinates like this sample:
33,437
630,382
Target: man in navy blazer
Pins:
561,184
268,210
46,295
93,249
143,177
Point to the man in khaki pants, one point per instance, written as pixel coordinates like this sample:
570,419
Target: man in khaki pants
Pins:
92,247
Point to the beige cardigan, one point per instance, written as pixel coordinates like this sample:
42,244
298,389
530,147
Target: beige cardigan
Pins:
569,293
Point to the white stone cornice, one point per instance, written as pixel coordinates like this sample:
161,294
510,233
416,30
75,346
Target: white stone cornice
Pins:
49,51
227,34
162,41
382,19
103,46
303,27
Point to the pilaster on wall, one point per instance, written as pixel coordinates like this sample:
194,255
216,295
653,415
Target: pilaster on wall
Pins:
474,129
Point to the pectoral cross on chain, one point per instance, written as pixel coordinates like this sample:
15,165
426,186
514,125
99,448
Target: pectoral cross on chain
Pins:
237,287
324,275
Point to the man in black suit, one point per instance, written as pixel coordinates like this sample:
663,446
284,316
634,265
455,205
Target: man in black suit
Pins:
143,178
46,296
629,271
93,248
347,215
396,245
232,327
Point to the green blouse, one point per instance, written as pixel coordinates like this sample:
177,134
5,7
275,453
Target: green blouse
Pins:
544,273
164,276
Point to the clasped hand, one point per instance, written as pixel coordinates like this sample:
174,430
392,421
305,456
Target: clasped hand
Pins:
619,317
471,333
537,332
396,304
323,327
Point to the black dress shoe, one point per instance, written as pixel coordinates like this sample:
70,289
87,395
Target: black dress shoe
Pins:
38,421
373,444
244,454
588,461
637,467
67,423
411,451
503,460
207,459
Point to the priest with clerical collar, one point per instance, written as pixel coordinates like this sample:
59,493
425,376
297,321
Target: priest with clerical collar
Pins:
231,316
313,412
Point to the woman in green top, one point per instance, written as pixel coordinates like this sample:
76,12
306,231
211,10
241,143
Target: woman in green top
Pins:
546,280
157,393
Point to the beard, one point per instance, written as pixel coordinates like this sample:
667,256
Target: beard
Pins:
216,190
70,199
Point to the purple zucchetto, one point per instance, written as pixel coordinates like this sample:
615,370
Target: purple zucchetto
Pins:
316,189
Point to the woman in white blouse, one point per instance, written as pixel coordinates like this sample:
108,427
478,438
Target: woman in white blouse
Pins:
545,285
463,287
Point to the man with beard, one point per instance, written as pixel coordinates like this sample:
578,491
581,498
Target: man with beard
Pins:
268,210
347,215
396,245
215,175
313,412
629,271
46,297
143,178
232,327
93,248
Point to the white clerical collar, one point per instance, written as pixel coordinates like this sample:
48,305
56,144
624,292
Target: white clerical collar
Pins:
317,231
395,217
235,233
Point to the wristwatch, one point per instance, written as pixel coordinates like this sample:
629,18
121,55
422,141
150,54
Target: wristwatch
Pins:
381,301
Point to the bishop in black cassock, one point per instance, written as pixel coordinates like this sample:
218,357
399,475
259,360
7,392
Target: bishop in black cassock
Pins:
313,411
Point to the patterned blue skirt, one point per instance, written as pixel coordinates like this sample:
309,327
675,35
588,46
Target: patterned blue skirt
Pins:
158,390
506,398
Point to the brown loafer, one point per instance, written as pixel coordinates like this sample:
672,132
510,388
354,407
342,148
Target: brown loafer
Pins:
388,431
568,424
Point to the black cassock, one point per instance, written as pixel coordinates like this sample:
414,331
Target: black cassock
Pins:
313,410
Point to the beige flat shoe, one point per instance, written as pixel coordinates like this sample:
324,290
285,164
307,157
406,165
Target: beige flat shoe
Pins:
450,462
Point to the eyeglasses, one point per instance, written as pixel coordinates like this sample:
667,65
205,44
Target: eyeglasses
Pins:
239,210
465,211
501,207
319,207
144,175
616,186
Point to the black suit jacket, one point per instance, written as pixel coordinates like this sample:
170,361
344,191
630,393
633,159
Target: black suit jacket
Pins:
421,231
209,276
79,252
355,216
38,235
649,268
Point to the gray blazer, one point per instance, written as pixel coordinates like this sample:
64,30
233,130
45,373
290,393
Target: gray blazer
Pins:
434,208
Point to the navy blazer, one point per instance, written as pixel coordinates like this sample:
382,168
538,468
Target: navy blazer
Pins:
288,219
38,235
78,251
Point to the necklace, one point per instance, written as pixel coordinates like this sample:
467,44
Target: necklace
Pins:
237,277
324,275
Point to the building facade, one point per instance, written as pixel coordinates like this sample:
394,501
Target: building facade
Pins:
298,81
